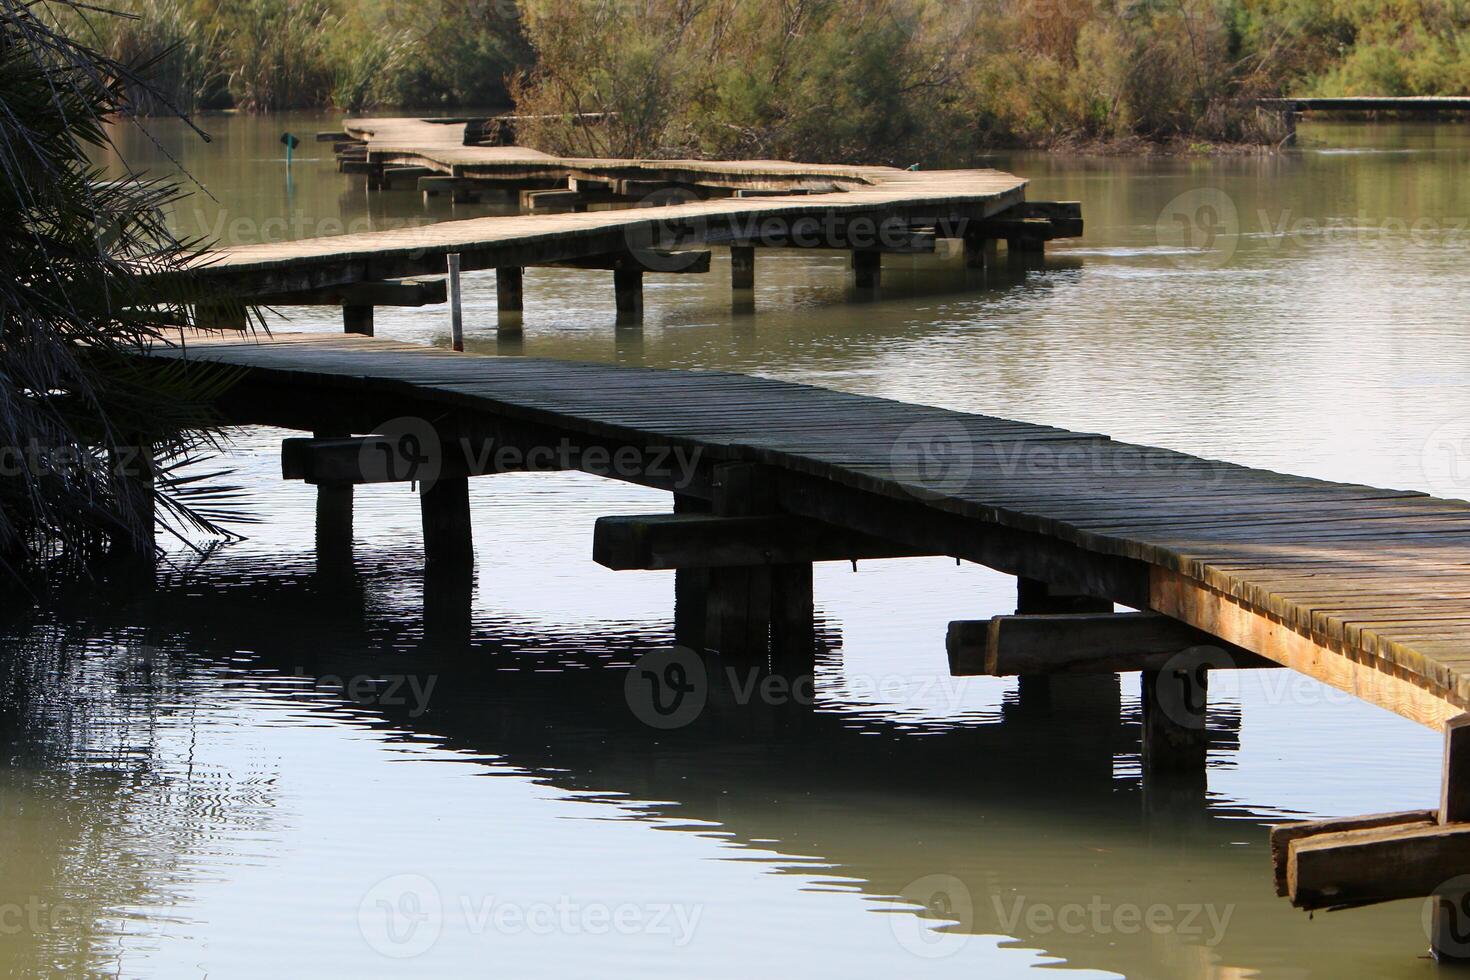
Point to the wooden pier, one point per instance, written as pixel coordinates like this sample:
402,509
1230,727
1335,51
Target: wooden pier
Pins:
1364,589
629,217
1291,107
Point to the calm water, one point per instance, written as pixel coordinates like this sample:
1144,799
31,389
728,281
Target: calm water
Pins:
241,773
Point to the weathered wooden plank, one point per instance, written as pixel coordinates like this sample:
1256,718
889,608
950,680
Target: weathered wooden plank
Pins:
1283,834
1352,868
1081,643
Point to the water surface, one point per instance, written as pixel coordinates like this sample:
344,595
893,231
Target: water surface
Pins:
193,784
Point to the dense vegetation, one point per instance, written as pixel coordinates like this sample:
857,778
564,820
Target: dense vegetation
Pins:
89,440
841,79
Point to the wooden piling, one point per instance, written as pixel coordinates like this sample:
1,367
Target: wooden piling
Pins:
1174,733
691,587
456,311
334,513
1449,922
508,289
867,268
628,292
979,252
742,267
448,537
1034,596
357,319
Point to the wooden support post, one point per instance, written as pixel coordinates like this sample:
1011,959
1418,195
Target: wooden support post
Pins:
628,292
508,296
867,268
333,521
742,267
691,587
1174,733
333,526
738,619
1449,928
1036,596
456,311
793,620
979,252
448,538
357,319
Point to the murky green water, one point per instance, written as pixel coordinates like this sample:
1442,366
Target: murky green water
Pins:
242,773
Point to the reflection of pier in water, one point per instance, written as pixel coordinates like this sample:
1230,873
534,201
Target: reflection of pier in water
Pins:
1026,814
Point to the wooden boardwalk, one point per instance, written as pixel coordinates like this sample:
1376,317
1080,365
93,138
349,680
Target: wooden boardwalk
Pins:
1365,589
866,195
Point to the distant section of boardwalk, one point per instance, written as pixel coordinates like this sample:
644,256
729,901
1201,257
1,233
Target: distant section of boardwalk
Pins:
628,216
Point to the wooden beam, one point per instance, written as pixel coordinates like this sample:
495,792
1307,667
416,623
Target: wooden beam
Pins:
358,318
742,267
1448,934
867,268
1283,834
1079,643
628,291
1454,793
407,292
1375,681
665,541
509,289
1351,868
448,536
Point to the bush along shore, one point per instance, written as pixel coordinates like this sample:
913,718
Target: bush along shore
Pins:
894,81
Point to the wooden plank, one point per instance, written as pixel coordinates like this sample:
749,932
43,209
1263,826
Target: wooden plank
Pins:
1352,868
1283,834
1081,643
